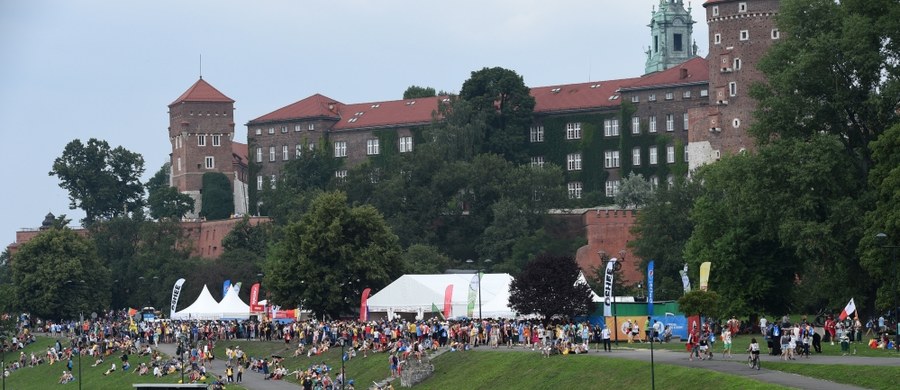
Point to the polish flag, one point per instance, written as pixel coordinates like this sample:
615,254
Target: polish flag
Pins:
851,307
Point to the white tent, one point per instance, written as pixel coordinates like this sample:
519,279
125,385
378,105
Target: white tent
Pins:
582,279
232,307
204,308
417,293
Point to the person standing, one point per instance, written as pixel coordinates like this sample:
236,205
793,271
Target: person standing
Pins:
604,335
726,339
240,373
763,323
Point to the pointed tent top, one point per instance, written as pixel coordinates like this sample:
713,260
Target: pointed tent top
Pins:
202,91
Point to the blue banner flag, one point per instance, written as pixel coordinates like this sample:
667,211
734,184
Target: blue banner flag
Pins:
650,288
225,287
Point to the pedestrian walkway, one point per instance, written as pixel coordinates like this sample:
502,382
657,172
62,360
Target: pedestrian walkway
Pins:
252,380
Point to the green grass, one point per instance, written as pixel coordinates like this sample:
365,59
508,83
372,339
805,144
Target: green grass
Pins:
740,343
881,377
500,370
361,370
46,376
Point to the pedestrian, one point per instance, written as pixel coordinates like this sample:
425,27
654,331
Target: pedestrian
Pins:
726,340
604,334
240,373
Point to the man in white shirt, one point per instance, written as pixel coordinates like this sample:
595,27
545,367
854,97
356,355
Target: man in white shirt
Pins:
762,325
604,334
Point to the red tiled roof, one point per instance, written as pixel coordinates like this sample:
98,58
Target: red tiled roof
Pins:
697,71
390,113
571,97
314,106
240,150
202,91
714,1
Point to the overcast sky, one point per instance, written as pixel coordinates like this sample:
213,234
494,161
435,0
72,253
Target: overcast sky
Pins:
108,69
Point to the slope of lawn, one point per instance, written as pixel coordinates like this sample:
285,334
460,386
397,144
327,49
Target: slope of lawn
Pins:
45,376
870,377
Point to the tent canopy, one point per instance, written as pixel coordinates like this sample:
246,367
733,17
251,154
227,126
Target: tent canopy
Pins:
204,308
232,307
417,293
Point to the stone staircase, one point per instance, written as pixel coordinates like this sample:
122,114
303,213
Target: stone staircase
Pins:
413,371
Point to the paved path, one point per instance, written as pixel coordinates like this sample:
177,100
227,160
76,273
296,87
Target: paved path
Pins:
252,380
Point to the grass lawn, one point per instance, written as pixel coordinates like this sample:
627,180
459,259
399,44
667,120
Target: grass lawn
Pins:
740,343
500,370
862,376
46,376
361,370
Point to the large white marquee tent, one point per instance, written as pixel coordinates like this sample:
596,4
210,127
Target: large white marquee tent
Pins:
206,307
417,294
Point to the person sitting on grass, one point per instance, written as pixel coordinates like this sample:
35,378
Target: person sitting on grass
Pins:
66,377
97,362
142,370
111,369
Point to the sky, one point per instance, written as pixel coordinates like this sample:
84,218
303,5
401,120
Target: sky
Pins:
81,69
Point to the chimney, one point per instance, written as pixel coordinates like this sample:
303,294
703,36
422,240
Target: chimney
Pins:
684,73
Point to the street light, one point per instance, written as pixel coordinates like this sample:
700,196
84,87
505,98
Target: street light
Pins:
3,360
481,270
78,345
882,237
617,265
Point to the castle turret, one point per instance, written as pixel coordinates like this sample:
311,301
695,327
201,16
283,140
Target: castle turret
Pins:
671,29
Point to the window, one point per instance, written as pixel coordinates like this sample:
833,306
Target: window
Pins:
312,146
406,144
284,129
742,7
732,89
258,131
341,174
635,99
573,162
340,149
717,39
736,123
271,153
654,181
670,122
635,125
285,155
653,155
372,147
670,96
537,133
575,190
537,161
651,97
686,95
611,159
670,154
201,140
652,121
179,164
259,182
573,130
258,154
271,130
704,92
745,35
737,64
611,127
298,151
679,45
670,180
297,127
775,34
217,140
685,122
685,153
612,188
311,127
210,162
273,180
178,142
636,157
715,10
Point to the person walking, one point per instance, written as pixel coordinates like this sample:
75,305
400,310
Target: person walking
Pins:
604,334
726,339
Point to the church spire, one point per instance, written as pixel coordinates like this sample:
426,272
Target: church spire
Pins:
671,27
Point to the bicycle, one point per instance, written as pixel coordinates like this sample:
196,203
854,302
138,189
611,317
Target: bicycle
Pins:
753,361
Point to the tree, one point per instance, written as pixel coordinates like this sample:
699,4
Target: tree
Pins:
501,96
164,200
700,302
301,180
330,255
415,92
425,259
103,182
661,230
58,275
218,198
546,286
634,192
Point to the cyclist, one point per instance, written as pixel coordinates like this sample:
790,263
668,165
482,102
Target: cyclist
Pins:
754,353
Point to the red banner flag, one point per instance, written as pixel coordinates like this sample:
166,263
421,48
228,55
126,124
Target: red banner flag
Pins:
448,298
254,294
364,306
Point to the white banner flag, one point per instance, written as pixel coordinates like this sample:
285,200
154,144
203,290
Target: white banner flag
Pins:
607,287
176,291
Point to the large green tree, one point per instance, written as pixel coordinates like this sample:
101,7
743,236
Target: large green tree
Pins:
164,200
330,255
507,105
102,181
57,275
547,286
218,198
415,92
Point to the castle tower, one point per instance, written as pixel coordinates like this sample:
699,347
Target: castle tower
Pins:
671,29
740,33
201,131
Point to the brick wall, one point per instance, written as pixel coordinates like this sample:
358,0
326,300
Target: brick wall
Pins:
609,230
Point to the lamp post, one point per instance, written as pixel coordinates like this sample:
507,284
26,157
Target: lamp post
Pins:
343,375
883,238
617,265
480,271
80,334
652,371
3,359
